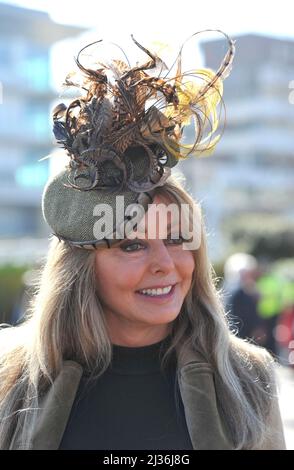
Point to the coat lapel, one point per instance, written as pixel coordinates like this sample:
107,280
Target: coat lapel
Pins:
55,409
196,383
197,390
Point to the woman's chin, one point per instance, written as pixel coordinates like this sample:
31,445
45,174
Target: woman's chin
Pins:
159,316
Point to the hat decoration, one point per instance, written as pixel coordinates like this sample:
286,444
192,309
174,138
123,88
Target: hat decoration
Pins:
126,129
122,135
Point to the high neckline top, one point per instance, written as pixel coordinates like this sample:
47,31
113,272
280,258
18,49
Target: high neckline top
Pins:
140,359
134,404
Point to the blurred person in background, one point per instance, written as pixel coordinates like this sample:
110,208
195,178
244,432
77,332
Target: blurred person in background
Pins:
284,328
272,290
241,272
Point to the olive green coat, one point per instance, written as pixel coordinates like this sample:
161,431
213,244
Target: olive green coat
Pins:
197,392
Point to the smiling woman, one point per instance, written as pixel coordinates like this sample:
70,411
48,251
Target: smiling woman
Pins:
141,302
127,344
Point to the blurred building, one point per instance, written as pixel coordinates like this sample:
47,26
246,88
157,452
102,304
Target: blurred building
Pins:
251,170
26,37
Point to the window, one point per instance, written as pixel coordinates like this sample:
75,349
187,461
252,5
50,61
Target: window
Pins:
34,68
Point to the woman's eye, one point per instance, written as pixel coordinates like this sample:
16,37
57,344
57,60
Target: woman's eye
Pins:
132,246
175,241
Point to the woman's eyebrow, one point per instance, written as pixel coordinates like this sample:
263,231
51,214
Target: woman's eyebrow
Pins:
173,227
169,227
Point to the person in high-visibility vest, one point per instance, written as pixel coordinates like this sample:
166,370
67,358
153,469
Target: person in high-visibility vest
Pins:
274,294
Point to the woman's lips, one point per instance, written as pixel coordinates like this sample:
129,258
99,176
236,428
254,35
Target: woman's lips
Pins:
157,298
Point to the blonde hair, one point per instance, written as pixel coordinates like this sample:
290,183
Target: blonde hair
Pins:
66,321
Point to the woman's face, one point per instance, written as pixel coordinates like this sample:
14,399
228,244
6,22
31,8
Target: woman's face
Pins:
142,284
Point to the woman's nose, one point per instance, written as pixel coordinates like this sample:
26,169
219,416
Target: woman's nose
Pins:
161,259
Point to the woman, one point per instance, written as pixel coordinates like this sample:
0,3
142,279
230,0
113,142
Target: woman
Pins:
127,345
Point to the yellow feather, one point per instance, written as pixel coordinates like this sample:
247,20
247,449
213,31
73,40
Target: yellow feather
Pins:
205,109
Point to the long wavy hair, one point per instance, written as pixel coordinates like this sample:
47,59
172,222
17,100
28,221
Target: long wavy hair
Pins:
66,321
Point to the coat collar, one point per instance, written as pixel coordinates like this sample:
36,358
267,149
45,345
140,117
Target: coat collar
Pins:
198,393
197,390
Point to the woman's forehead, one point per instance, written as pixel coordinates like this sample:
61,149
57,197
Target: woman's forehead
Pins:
162,217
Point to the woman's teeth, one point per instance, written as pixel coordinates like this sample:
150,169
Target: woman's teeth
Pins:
158,291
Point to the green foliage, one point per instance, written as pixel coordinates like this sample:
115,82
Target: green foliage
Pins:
219,273
264,236
11,288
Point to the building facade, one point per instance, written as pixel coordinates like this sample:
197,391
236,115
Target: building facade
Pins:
251,172
26,37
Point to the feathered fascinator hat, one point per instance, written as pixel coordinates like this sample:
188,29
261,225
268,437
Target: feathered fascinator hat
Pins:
124,134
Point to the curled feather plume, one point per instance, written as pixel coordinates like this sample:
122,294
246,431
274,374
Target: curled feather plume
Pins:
125,131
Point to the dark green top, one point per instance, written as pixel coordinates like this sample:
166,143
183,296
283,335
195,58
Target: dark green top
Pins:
131,406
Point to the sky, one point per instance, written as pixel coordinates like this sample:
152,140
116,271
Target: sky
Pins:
173,20
169,22
166,22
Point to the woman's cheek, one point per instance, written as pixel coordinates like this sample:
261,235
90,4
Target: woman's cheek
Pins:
185,261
